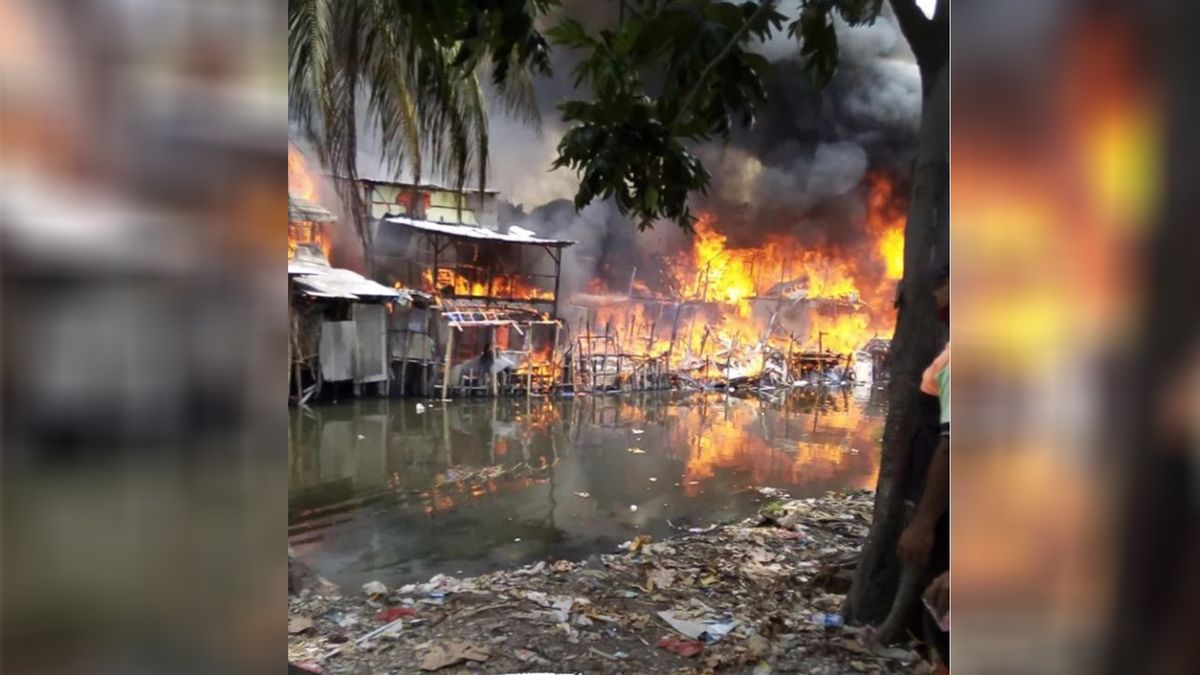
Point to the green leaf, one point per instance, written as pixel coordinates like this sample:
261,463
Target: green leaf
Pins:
819,46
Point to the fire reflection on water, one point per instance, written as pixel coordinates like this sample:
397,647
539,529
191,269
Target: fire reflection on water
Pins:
379,491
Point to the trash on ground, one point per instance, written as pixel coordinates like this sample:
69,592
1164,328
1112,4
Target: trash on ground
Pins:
585,495
637,451
681,647
441,655
299,624
740,597
393,613
374,589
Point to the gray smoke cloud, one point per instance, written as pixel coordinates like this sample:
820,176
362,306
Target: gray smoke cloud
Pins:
800,170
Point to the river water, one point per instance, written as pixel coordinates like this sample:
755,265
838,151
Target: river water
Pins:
379,489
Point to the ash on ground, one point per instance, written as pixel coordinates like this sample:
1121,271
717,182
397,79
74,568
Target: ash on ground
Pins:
761,596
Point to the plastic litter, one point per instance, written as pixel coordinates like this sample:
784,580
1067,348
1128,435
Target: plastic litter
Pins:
827,620
393,613
710,629
374,589
680,647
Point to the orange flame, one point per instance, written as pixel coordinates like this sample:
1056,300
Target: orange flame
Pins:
502,285
302,183
782,294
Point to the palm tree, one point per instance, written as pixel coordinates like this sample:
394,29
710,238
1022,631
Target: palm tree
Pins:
416,66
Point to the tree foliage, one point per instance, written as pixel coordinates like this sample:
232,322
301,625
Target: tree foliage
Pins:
415,64
670,73
674,72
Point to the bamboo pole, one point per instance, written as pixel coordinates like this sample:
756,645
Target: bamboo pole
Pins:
493,375
446,367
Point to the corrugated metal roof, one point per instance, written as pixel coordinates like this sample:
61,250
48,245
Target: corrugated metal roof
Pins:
301,209
479,233
338,283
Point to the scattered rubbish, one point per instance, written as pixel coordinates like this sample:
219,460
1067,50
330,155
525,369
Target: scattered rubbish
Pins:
827,620
903,655
299,624
374,589
393,613
517,540
633,507
659,578
529,656
420,409
451,653
653,479
709,630
637,451
680,647
638,432
615,656
550,614
584,495
639,542
303,667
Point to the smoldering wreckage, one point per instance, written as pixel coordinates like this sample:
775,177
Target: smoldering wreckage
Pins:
759,596
469,308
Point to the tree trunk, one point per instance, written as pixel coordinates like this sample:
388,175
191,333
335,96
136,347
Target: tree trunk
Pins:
919,335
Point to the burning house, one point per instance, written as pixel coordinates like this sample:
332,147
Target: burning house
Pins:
475,308
338,318
494,328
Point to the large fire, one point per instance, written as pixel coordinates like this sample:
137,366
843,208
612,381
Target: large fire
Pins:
302,183
483,285
737,302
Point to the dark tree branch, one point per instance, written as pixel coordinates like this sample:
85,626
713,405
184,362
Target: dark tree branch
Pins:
913,23
733,41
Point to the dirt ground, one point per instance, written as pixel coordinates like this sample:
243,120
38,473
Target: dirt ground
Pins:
747,598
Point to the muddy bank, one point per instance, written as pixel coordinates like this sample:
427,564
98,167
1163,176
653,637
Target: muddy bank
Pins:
757,597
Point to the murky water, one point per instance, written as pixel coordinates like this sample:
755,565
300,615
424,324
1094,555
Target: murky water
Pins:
379,490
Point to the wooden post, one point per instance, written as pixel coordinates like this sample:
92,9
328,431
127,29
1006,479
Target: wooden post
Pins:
557,275
674,333
491,375
629,298
446,368
554,357
404,362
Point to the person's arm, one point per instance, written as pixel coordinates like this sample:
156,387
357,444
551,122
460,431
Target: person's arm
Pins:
917,539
